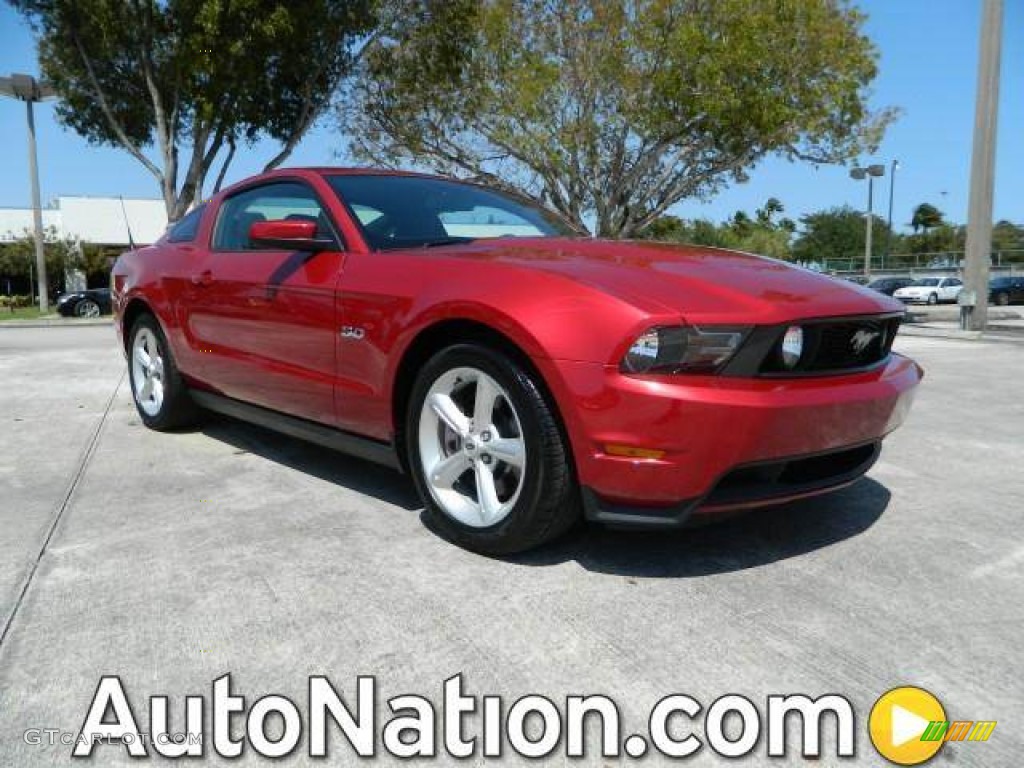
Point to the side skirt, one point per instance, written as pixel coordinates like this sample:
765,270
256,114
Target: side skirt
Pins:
335,439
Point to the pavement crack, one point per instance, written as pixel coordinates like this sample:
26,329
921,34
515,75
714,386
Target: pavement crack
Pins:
65,501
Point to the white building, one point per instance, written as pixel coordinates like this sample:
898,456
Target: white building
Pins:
93,220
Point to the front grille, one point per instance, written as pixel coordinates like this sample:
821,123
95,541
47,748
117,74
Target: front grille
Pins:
840,344
790,477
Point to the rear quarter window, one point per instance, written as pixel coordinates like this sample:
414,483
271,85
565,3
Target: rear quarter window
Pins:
186,229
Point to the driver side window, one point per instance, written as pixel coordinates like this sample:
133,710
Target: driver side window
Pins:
283,200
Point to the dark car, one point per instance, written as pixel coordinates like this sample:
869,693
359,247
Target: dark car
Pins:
1006,290
889,285
91,302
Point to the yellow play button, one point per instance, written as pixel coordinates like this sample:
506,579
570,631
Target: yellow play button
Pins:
898,720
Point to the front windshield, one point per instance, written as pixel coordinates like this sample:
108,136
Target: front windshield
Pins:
417,211
927,281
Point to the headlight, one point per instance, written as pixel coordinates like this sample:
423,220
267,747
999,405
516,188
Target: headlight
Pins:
792,346
683,349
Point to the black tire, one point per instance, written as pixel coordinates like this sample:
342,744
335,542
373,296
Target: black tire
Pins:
548,500
177,408
87,308
933,298
1002,299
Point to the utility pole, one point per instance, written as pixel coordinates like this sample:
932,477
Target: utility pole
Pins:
979,210
26,88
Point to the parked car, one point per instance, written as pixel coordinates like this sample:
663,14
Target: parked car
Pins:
92,302
889,285
930,290
522,374
1006,290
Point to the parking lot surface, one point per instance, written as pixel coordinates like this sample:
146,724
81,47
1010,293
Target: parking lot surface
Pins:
171,559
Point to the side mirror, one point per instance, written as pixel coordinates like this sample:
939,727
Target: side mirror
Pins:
299,235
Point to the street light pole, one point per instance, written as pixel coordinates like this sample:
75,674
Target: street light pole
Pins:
37,211
979,210
867,236
26,88
869,173
892,188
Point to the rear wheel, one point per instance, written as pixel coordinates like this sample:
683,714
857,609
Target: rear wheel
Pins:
158,389
486,453
87,308
1002,299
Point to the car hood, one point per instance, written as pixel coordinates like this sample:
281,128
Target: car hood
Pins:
702,284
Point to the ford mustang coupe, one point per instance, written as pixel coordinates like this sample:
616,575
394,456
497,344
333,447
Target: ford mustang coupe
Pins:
524,376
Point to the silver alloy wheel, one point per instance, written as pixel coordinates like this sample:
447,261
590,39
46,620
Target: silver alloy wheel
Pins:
472,449
147,372
87,308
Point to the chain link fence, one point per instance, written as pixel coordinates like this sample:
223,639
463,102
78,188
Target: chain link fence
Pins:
1002,262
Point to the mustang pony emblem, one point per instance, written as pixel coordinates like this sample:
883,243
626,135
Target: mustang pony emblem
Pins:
861,339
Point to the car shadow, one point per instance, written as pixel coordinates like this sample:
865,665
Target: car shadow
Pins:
749,540
353,473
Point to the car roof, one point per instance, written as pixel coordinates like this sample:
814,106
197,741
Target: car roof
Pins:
328,170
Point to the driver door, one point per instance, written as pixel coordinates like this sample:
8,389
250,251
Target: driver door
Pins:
263,320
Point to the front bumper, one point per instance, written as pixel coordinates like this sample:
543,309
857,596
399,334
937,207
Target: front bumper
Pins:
728,443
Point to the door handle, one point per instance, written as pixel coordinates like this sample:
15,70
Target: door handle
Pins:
203,278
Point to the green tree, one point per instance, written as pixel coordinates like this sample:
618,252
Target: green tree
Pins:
18,258
614,110
761,235
925,217
772,206
177,83
1007,236
837,233
669,229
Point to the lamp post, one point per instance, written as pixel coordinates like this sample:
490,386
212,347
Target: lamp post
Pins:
26,88
895,166
869,173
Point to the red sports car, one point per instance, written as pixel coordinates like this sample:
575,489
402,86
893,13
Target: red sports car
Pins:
523,375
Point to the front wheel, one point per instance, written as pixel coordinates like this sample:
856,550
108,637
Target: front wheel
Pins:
933,298
486,453
1002,299
158,389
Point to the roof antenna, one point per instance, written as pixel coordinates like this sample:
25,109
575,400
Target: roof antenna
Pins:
131,242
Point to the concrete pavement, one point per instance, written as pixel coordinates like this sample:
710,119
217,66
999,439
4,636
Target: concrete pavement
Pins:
170,559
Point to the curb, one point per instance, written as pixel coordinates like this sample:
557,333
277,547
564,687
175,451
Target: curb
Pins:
950,316
56,322
1007,334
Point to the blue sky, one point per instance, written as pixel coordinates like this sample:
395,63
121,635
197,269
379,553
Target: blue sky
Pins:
928,65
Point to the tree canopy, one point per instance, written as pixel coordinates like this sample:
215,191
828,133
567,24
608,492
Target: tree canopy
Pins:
762,234
611,111
18,257
838,233
926,216
193,78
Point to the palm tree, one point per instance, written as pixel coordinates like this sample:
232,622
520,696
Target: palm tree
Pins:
926,216
771,207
